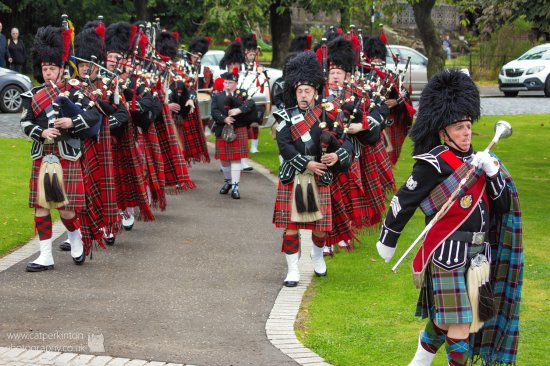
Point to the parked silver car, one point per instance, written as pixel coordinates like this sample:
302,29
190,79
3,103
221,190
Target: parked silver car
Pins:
212,59
417,69
12,84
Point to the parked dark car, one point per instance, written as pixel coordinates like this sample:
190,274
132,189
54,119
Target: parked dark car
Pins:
12,84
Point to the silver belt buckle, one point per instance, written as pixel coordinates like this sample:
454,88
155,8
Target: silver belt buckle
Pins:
478,238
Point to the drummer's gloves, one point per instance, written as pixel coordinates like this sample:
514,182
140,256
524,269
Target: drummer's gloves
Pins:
485,161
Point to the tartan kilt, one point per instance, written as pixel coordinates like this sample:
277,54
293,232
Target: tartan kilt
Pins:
353,195
372,186
191,134
283,209
235,150
384,166
153,166
129,175
341,221
444,298
73,181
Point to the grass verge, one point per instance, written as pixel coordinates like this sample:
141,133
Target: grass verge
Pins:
363,314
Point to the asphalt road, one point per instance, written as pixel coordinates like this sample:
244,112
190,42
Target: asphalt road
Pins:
194,287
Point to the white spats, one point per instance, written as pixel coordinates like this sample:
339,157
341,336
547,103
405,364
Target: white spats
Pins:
45,258
318,260
254,146
422,357
293,273
77,247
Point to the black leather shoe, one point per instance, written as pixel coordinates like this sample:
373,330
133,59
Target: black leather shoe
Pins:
248,169
235,194
34,267
320,274
65,246
290,283
110,240
78,261
226,187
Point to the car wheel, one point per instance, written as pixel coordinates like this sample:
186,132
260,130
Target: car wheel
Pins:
10,99
511,94
547,87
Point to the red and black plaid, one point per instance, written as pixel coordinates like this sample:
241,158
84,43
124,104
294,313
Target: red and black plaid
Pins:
353,195
129,175
283,209
99,181
372,185
191,134
384,167
72,181
153,166
175,171
233,150
71,224
341,222
43,226
44,97
397,132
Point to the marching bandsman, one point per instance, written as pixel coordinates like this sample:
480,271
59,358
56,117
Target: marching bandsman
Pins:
128,154
176,175
398,124
183,102
232,112
474,234
56,177
349,204
100,220
303,193
256,82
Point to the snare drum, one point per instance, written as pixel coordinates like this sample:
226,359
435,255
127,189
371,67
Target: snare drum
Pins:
205,105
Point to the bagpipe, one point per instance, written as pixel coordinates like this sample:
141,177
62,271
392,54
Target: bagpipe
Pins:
236,101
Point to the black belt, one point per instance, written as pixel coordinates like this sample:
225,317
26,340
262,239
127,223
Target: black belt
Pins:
468,237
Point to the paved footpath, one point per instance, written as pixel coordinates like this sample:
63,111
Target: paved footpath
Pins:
195,287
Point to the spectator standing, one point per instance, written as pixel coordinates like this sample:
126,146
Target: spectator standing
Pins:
447,46
17,55
4,53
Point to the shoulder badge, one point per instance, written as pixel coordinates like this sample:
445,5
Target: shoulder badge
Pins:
466,201
411,183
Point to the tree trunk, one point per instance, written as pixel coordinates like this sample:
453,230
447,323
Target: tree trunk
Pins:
141,9
279,24
432,44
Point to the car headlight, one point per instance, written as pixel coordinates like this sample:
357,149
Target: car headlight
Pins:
534,70
502,71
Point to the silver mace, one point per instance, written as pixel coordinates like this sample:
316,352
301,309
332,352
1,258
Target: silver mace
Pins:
503,129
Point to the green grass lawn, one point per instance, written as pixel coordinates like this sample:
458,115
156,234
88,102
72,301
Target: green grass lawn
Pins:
363,314
16,219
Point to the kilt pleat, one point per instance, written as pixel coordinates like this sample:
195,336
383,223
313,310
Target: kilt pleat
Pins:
191,134
444,298
73,181
235,150
283,209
